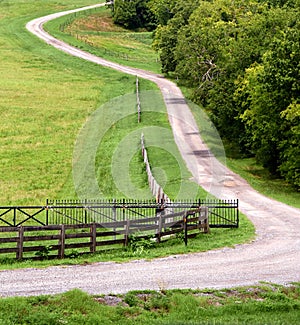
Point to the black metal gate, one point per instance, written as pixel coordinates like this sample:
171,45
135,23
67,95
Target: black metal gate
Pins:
221,213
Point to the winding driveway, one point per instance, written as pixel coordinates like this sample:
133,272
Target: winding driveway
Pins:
274,256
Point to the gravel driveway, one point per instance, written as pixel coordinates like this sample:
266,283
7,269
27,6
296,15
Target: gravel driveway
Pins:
274,256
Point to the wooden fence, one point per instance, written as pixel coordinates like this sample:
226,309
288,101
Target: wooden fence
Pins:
155,188
38,242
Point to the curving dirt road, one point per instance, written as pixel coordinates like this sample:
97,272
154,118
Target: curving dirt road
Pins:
274,256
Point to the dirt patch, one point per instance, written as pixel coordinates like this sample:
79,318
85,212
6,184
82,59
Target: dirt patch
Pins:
111,301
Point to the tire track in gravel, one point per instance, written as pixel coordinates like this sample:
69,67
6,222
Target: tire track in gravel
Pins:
274,256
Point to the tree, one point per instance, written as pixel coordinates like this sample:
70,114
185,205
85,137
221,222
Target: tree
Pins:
165,37
133,14
270,94
163,10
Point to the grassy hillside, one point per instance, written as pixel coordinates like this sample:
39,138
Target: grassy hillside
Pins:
46,96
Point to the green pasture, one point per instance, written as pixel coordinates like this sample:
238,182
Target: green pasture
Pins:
46,97
93,31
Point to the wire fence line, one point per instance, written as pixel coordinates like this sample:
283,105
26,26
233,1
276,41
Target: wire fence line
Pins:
138,101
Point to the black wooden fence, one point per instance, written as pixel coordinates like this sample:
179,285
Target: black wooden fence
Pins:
38,242
221,213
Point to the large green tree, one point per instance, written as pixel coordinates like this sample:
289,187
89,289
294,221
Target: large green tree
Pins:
166,35
270,95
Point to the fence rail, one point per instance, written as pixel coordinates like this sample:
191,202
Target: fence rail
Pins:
222,213
42,241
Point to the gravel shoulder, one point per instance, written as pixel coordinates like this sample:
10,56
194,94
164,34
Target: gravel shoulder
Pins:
274,256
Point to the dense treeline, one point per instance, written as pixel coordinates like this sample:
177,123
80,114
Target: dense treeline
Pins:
242,60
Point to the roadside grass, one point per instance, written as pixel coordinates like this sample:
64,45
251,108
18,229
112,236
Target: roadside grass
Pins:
93,30
266,303
46,98
261,180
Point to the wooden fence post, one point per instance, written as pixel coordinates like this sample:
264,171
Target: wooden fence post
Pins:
206,222
93,237
61,242
160,219
127,231
19,254
114,213
185,227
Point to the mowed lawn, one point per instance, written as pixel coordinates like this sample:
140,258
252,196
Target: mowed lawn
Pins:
45,98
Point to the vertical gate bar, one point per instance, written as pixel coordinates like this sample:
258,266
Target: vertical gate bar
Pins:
237,213
114,213
14,218
47,220
185,228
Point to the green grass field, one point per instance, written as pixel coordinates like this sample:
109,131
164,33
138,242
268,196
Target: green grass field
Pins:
46,97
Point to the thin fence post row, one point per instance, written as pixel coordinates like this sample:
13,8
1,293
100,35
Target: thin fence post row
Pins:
138,99
156,189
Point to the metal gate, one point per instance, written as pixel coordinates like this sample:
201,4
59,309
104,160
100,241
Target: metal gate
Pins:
221,213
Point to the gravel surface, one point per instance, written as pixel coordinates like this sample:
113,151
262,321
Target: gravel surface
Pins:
274,256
